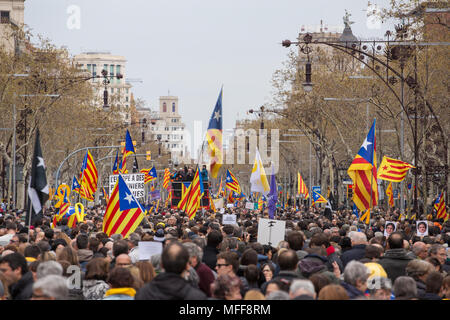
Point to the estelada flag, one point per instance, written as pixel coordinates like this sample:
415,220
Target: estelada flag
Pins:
123,213
393,170
363,172
214,138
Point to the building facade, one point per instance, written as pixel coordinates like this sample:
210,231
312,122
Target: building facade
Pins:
11,18
119,90
166,127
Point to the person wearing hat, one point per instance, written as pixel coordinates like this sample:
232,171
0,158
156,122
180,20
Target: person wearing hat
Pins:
378,285
159,235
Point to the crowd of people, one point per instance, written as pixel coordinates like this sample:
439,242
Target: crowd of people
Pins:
321,258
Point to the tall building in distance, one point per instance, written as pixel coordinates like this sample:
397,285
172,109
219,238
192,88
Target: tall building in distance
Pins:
119,90
11,18
168,129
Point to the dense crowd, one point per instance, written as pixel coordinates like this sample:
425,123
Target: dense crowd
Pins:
322,258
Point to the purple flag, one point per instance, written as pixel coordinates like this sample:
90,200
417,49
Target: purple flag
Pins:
273,196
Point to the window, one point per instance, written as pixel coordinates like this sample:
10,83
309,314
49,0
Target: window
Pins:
89,67
174,128
166,128
174,145
173,106
164,107
4,17
94,71
158,136
105,67
126,99
112,90
127,91
117,72
181,137
126,116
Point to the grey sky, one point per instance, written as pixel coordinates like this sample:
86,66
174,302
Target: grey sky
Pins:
193,47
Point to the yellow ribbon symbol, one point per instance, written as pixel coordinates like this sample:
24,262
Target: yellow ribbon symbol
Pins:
61,193
79,212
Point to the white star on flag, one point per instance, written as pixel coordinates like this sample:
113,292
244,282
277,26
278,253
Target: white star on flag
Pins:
366,144
129,198
217,115
228,178
41,162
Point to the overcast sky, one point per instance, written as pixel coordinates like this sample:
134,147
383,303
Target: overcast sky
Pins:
193,47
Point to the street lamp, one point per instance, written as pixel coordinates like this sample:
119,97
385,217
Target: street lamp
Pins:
106,81
260,113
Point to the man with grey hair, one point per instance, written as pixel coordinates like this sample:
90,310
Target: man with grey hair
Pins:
205,274
47,268
355,279
302,290
405,288
51,287
420,250
278,295
133,245
358,250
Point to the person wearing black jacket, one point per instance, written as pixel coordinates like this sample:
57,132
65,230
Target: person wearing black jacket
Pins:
214,238
14,267
170,285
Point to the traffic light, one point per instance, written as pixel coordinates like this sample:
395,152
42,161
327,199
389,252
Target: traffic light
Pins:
350,191
149,155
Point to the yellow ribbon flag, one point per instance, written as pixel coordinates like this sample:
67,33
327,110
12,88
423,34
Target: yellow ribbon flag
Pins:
365,217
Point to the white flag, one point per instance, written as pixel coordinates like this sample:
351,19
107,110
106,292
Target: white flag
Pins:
258,179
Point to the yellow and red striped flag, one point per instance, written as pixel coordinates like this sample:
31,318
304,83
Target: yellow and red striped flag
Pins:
166,179
302,189
214,137
194,195
442,210
390,194
123,213
393,170
232,183
363,172
89,177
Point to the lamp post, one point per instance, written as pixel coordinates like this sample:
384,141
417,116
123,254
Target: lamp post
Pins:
106,82
260,113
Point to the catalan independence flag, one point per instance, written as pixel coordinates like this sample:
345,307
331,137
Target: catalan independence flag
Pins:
75,185
442,210
214,138
363,172
302,189
232,182
365,217
123,213
129,149
115,169
89,177
393,170
166,179
150,174
318,198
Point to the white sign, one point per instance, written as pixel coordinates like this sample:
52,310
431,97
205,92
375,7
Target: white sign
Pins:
271,232
230,205
222,210
347,182
229,219
135,183
250,205
148,249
